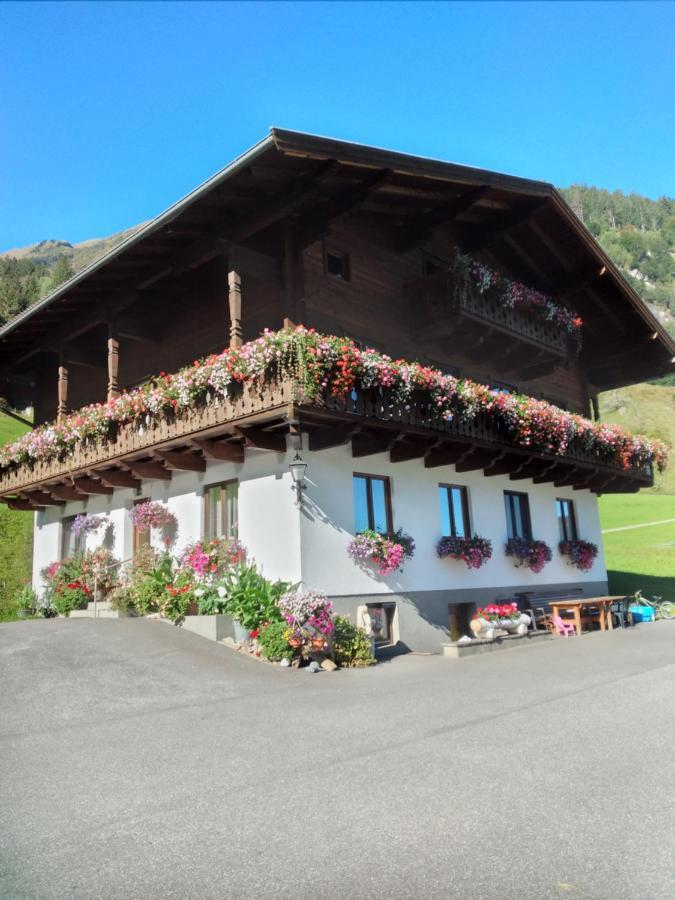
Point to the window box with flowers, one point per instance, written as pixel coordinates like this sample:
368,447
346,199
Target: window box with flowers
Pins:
499,617
528,553
580,554
474,551
387,552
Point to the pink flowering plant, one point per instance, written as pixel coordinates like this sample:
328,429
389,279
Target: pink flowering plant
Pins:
474,551
209,559
514,294
580,554
529,553
308,614
324,365
150,514
387,551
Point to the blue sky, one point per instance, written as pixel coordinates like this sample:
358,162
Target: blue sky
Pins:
111,111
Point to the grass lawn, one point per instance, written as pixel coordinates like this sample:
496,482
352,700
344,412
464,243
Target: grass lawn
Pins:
16,536
640,557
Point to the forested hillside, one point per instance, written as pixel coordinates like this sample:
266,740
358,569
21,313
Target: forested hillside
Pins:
639,235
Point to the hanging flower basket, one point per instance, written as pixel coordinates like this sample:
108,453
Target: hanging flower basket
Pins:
386,551
580,554
474,551
88,524
149,514
529,554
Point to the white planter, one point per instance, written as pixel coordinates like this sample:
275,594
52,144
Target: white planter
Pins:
215,628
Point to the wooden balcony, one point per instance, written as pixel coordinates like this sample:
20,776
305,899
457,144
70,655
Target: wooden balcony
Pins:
522,342
260,417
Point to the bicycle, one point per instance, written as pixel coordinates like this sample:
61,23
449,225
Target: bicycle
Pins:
663,609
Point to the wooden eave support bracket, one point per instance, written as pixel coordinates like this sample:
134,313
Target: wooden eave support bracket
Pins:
263,440
90,486
478,459
65,492
40,498
188,462
117,478
149,470
364,444
227,451
326,438
535,469
412,448
506,464
446,454
19,505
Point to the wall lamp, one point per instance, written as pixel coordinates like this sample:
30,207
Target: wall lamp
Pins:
298,468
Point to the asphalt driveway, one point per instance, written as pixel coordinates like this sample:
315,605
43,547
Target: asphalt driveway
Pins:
138,761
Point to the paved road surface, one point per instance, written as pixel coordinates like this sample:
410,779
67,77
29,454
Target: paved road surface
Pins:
138,761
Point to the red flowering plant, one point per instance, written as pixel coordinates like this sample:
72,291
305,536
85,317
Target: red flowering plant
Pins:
325,364
66,587
579,553
494,612
474,551
529,553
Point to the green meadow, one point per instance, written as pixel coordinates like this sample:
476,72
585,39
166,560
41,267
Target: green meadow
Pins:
16,536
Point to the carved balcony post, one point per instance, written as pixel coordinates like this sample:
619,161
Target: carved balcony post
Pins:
62,405
234,294
113,366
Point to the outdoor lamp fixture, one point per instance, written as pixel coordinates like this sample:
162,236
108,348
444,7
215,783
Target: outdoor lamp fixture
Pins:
298,468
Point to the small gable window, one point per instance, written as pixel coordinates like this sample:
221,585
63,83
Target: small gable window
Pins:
337,264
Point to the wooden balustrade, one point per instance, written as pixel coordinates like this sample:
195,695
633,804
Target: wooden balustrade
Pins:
256,416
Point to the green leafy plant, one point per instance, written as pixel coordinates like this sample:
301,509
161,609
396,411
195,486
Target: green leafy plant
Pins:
251,598
273,641
27,600
66,587
351,645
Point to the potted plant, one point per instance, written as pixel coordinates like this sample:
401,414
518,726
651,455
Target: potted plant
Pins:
474,551
26,602
528,553
580,554
386,551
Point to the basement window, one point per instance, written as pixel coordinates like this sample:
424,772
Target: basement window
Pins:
336,264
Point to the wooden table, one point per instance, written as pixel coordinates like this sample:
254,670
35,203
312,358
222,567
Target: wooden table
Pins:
577,608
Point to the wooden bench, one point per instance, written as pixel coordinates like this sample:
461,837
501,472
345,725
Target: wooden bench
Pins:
537,604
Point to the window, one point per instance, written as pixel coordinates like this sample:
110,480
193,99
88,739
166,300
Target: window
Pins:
501,387
454,500
567,522
337,264
221,518
372,503
518,523
71,543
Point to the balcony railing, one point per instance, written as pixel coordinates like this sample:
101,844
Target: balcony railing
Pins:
259,416
448,296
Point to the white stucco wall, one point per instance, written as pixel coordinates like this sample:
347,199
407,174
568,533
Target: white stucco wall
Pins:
327,525
269,524
310,544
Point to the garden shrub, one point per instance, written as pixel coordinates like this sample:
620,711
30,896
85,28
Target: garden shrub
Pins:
351,645
251,598
66,588
273,641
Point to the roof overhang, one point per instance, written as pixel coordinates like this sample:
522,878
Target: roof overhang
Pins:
522,226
